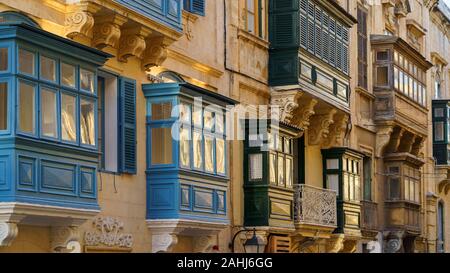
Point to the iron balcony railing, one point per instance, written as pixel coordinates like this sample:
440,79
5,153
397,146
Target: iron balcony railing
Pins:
315,206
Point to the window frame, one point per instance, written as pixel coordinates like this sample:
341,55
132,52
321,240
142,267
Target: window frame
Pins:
9,99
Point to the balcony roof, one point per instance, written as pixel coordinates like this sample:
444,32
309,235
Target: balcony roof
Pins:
338,11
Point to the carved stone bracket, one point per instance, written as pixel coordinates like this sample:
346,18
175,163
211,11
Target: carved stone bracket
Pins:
349,246
395,139
320,127
337,131
163,242
65,239
417,146
80,22
406,142
306,110
393,241
107,31
132,43
383,137
203,244
155,53
335,244
8,232
287,104
108,232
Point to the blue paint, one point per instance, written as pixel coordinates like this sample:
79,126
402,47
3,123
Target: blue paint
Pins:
174,191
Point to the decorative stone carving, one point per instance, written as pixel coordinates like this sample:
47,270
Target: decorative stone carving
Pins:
8,232
155,53
302,119
163,242
80,22
383,137
65,239
402,8
349,246
287,104
107,31
132,43
338,131
108,233
335,244
320,129
395,139
393,241
203,244
406,142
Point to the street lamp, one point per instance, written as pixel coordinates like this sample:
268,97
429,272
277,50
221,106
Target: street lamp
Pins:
251,245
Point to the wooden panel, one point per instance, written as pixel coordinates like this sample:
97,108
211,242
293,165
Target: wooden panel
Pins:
279,244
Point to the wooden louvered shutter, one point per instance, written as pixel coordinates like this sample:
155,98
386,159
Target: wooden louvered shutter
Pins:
127,126
195,6
280,244
362,48
304,23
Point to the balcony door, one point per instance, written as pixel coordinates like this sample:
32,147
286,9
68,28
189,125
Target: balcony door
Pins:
299,160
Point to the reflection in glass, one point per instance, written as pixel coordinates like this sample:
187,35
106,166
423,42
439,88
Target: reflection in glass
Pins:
48,69
161,146
184,147
3,106
68,117
26,108
161,111
87,122
87,80
3,59
68,75
272,168
185,113
220,155
256,169
48,113
208,120
281,181
197,149
333,182
26,61
209,154
289,172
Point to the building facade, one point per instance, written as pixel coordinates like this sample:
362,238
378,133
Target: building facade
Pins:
191,125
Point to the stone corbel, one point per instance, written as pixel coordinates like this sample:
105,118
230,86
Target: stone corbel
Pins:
163,242
132,43
417,146
349,246
287,104
320,129
395,139
8,232
80,22
393,241
65,239
155,52
337,131
203,244
406,142
402,9
335,244
107,31
383,137
302,120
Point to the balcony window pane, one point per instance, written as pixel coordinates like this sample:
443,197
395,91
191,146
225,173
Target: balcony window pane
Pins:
406,189
438,112
281,177
342,91
396,83
357,188
26,62
48,113
219,123
87,80
351,187
3,59
3,106
439,131
161,111
184,147
256,168
68,75
161,146
382,55
394,189
289,172
401,82
417,192
87,122
333,164
406,77
185,113
208,120
272,168
287,146
197,116
27,108
412,195
68,117
48,69
209,154
197,141
220,155
346,185
382,76
396,57
333,182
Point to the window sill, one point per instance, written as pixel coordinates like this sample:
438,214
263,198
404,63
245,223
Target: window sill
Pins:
252,38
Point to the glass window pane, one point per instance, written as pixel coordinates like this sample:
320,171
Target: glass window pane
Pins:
417,192
357,188
48,69
396,84
161,111
346,185
394,189
287,146
68,75
26,61
197,150
406,188
342,90
333,182
87,122
209,154
26,108
208,120
439,131
220,155
68,117
272,168
251,22
3,59
351,187
161,146
3,106
48,113
289,172
332,164
412,196
281,181
219,123
256,169
184,147
87,80
197,116
185,113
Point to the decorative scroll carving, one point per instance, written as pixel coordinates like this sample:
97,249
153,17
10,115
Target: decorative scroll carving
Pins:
395,139
305,112
402,8
383,137
417,146
8,232
132,43
321,127
349,246
65,239
81,21
107,31
163,242
109,233
406,142
287,102
337,131
315,206
155,53
393,241
335,244
203,244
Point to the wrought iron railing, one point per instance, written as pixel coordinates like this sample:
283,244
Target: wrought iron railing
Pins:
315,206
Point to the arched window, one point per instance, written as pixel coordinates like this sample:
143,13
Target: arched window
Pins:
12,17
440,228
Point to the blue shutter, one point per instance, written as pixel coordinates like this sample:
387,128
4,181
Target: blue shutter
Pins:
195,6
127,126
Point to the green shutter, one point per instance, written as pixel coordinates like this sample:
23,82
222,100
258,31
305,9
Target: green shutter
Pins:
127,124
195,6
